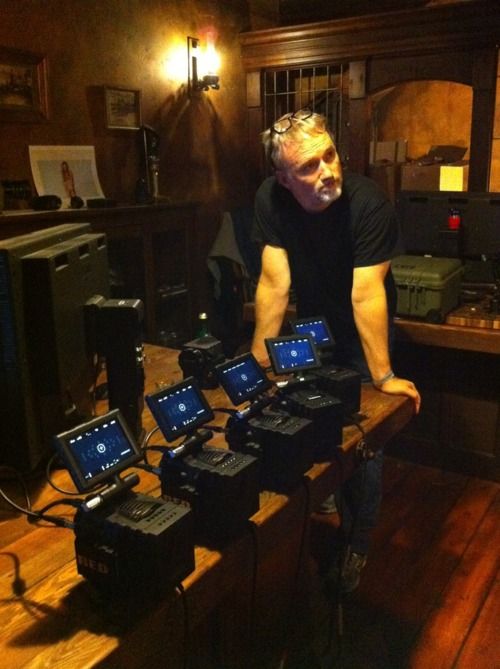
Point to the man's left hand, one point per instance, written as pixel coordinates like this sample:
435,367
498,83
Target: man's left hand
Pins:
397,386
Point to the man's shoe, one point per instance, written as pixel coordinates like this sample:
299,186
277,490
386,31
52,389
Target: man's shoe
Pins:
349,578
351,573
328,506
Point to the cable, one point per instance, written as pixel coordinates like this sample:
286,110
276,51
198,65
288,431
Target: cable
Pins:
364,454
187,627
253,594
231,412
216,428
56,520
293,596
148,436
148,468
18,584
49,479
22,481
144,445
35,516
362,449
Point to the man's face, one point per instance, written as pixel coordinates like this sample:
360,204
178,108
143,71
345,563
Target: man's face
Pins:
311,171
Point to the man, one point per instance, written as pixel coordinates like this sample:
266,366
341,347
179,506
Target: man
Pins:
331,237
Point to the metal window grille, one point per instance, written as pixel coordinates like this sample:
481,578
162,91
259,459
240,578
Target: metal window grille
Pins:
322,88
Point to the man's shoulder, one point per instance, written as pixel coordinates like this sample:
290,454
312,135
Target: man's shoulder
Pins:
267,188
359,186
271,197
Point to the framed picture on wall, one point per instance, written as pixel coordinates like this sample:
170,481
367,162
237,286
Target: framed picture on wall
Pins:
65,171
123,108
23,86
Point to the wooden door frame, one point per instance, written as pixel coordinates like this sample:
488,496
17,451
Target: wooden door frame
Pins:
449,42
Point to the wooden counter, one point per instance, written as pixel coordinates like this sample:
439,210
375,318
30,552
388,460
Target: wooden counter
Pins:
457,371
412,330
231,606
464,338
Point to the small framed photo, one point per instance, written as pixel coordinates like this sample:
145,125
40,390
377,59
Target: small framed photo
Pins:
23,86
123,108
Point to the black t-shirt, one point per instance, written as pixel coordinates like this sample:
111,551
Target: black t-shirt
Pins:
359,229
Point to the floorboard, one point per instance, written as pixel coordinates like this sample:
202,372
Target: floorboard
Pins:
430,594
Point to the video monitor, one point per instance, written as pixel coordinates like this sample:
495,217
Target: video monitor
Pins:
242,378
292,353
95,451
317,327
179,409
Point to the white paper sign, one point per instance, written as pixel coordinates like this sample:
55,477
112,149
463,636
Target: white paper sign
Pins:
65,171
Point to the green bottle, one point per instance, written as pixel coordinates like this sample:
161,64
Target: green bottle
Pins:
203,330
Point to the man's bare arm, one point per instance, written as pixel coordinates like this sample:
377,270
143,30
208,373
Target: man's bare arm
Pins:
271,299
371,316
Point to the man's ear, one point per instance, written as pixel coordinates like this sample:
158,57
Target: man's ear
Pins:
282,178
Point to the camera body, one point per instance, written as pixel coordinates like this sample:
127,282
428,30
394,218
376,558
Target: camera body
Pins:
138,557
324,411
221,486
199,358
283,444
342,383
126,544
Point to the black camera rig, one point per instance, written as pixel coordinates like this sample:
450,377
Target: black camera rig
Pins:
126,543
198,359
221,486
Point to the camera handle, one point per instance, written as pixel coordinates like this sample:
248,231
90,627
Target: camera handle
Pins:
191,444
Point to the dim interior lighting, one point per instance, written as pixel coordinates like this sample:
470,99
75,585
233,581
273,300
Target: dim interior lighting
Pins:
202,66
174,63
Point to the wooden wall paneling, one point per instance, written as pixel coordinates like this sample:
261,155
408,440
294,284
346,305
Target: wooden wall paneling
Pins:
255,153
458,428
443,42
433,29
443,66
254,97
483,117
256,160
358,131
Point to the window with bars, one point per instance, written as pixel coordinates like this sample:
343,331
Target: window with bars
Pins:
322,88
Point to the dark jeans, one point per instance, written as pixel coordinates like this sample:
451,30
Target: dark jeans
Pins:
358,499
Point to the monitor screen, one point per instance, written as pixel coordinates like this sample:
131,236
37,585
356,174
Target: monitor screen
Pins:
98,450
179,409
293,353
317,327
242,378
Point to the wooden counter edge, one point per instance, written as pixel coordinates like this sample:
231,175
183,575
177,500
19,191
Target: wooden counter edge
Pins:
479,340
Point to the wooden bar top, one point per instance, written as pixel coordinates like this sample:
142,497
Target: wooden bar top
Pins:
50,616
462,337
416,331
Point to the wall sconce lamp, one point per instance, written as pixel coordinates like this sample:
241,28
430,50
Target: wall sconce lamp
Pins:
207,81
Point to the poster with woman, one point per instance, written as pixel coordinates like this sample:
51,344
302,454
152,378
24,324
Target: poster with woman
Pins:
65,171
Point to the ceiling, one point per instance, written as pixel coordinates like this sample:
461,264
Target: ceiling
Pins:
306,11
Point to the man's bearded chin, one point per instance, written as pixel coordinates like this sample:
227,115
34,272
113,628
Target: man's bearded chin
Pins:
329,195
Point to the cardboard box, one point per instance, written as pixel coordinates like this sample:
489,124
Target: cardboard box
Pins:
453,177
393,151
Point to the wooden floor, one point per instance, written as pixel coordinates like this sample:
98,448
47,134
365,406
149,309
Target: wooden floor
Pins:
430,593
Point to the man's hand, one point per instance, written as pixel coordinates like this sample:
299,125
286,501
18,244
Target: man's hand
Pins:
261,355
397,386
